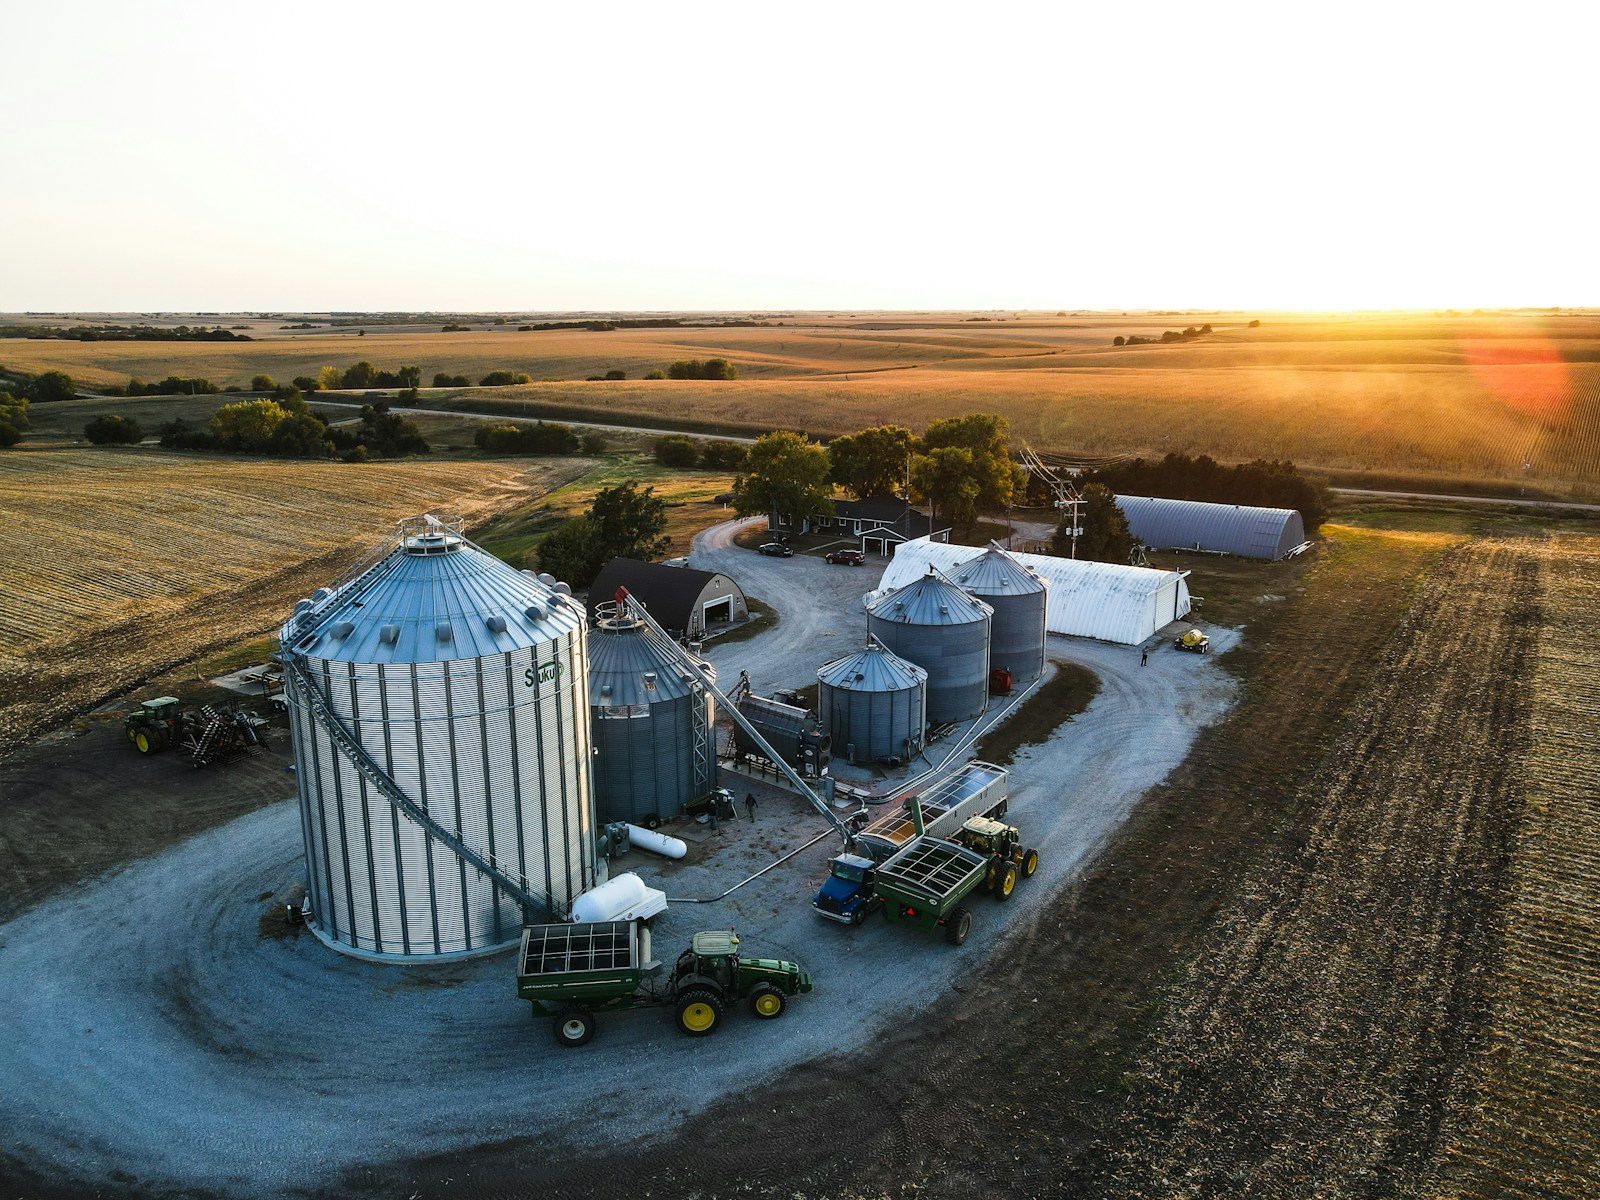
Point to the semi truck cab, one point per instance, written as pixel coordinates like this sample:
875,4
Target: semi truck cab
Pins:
846,894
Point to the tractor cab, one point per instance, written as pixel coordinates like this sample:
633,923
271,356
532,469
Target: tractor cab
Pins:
993,838
162,708
713,955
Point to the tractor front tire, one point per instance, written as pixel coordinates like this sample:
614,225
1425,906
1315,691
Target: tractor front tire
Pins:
767,1002
573,1026
699,1012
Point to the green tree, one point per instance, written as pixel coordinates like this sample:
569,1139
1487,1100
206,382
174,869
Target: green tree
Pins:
677,450
410,377
568,552
13,418
722,456
113,431
329,378
305,383
783,473
984,434
360,375
52,385
247,426
628,523
263,383
948,479
505,379
874,461
301,435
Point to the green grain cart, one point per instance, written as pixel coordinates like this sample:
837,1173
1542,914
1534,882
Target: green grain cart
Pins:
572,971
924,885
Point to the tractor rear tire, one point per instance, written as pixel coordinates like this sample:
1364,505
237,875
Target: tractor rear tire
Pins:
1030,862
699,1012
146,740
573,1026
988,883
1007,883
767,1002
957,926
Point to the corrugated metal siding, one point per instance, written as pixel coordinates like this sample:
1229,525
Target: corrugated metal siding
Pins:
874,704
936,625
1085,599
495,746
1267,533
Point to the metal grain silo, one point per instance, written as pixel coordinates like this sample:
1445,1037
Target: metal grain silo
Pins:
652,725
1017,595
438,700
936,625
874,704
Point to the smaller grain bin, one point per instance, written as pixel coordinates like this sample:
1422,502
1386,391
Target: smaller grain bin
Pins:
793,732
1017,595
651,724
874,705
942,629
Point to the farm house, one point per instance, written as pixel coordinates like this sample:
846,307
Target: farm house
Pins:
1097,600
685,602
1267,533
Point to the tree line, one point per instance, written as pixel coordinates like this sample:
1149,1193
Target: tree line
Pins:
1263,483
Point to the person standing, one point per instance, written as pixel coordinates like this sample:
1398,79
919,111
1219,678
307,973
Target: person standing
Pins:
1144,656
750,804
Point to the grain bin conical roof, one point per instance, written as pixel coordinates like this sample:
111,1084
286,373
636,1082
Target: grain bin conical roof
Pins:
996,573
872,669
929,600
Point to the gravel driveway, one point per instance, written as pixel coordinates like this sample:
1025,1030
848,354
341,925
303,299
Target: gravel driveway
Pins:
156,1040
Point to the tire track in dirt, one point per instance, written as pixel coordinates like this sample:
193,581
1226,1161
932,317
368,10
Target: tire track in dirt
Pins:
1310,1048
1525,1121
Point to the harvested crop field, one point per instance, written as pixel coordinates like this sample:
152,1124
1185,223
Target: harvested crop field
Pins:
137,561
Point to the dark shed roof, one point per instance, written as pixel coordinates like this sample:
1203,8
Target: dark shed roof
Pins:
670,593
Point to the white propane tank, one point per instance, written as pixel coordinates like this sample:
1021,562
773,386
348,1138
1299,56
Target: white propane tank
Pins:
656,843
624,898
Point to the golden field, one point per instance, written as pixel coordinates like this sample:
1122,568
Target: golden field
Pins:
137,560
1433,399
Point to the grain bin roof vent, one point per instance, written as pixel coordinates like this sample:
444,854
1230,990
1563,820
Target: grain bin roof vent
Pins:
496,624
341,630
389,634
444,632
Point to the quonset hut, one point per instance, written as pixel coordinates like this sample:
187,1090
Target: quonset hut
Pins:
1017,595
654,751
942,629
438,701
874,705
1269,533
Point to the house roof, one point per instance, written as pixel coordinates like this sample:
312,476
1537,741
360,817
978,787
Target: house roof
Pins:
670,593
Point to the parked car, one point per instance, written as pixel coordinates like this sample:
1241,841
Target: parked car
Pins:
776,549
847,558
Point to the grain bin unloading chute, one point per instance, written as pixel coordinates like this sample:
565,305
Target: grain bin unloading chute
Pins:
438,701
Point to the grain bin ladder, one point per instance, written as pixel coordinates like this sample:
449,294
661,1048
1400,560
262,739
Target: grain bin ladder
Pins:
391,791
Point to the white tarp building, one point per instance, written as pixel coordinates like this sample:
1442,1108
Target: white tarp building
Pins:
1086,599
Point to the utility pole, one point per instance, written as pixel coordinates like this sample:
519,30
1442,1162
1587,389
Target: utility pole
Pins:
1068,500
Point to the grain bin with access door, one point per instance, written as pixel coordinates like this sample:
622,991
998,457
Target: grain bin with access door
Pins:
652,723
1017,596
438,701
874,705
942,629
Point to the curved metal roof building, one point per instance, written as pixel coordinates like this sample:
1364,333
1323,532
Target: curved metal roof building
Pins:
1085,599
1269,533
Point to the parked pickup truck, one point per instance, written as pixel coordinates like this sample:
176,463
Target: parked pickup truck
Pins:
572,971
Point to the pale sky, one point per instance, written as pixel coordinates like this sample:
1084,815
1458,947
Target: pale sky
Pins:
556,156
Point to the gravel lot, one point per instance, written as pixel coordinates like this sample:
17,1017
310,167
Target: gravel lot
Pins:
156,1040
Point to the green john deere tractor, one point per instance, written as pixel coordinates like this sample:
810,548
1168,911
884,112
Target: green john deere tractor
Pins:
153,726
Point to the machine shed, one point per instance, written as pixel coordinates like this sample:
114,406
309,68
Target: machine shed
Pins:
1104,601
1266,533
683,601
